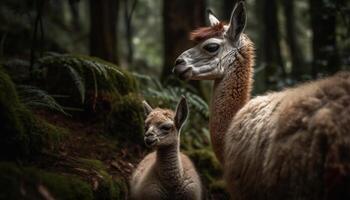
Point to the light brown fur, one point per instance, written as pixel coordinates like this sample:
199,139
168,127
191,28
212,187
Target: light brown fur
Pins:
293,144
166,173
230,94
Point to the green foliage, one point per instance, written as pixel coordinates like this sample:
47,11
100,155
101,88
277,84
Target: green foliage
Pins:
78,67
31,183
209,168
195,133
34,97
11,129
108,188
22,133
125,120
168,96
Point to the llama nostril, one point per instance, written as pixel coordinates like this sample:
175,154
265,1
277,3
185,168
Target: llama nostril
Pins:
148,133
179,61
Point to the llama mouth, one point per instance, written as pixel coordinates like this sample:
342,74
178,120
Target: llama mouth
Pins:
150,141
183,72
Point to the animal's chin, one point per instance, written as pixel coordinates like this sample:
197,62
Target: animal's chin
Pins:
183,72
151,141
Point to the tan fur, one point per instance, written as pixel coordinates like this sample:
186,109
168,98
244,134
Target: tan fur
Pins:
155,179
293,144
230,94
158,116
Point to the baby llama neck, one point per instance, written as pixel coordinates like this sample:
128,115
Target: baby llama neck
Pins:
168,165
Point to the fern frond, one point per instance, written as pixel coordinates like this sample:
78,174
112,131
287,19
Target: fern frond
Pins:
153,89
77,65
36,98
78,81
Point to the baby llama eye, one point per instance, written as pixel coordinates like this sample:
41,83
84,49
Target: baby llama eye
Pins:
212,47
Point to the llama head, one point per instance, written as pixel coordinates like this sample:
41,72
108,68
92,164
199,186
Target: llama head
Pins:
216,49
162,126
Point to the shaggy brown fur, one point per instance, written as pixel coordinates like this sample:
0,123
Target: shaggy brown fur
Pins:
230,94
204,33
293,144
159,115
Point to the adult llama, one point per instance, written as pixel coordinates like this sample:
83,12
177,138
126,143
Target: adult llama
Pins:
293,144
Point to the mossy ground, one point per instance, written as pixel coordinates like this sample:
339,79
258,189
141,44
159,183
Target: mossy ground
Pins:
75,162
23,134
88,158
31,183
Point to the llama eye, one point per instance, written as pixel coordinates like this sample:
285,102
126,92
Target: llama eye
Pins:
166,127
212,47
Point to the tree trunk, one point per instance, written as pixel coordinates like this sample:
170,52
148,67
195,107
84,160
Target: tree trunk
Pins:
271,46
129,8
294,47
74,9
179,19
103,29
323,23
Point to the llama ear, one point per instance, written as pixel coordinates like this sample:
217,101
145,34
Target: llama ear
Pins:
181,113
213,20
237,22
147,108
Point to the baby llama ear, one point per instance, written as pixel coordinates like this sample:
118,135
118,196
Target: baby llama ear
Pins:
181,113
212,18
147,108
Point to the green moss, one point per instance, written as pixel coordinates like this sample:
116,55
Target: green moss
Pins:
206,163
22,134
11,129
219,187
32,183
125,121
108,188
210,171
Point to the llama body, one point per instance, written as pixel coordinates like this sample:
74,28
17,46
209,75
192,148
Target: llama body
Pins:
152,181
166,173
293,144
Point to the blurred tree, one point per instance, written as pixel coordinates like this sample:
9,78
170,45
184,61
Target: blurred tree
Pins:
179,19
74,9
292,40
227,7
103,29
271,38
323,24
129,8
38,24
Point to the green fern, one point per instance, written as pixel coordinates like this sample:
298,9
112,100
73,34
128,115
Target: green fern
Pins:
78,65
34,97
196,131
78,81
169,96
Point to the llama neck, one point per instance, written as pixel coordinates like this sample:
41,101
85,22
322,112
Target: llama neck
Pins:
168,165
230,94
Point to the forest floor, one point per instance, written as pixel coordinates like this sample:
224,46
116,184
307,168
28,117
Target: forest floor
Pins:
86,141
